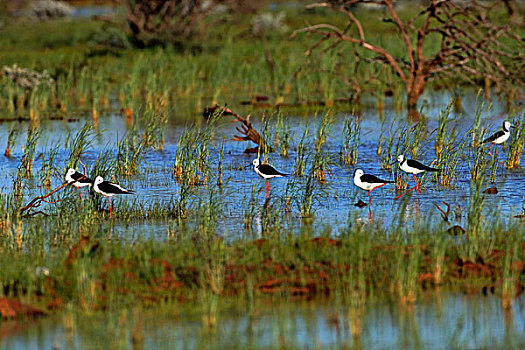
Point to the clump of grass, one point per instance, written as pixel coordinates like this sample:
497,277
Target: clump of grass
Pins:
220,165
321,165
387,156
351,140
129,155
49,168
306,199
301,155
192,161
442,131
323,130
29,151
77,145
11,139
517,142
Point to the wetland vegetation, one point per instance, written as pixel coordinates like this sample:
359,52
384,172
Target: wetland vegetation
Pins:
198,247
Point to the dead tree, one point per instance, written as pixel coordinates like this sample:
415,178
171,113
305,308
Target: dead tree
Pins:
476,43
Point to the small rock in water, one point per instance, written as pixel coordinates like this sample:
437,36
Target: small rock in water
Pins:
360,204
491,190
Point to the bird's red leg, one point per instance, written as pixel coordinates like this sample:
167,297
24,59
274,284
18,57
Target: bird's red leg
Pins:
370,200
267,188
417,185
369,204
109,207
80,194
401,195
497,147
489,150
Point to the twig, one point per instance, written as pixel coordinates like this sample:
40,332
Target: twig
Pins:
444,214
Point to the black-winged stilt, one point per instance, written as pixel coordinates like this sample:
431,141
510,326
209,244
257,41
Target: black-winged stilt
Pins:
412,167
368,183
499,137
108,189
77,179
266,171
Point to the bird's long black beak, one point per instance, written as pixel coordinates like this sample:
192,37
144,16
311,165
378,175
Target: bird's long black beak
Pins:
512,126
394,162
247,166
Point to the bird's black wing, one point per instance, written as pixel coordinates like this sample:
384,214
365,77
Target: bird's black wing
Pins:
374,179
270,170
81,178
415,164
110,187
494,136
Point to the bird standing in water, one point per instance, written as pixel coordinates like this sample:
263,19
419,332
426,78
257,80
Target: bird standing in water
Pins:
267,172
412,167
108,189
78,180
499,137
368,183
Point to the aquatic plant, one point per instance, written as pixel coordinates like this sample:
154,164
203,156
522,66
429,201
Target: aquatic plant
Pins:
517,142
351,140
301,155
11,139
29,151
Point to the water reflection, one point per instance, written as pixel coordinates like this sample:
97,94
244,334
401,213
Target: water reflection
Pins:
435,322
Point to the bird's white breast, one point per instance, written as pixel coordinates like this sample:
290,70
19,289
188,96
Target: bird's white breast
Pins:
408,169
502,138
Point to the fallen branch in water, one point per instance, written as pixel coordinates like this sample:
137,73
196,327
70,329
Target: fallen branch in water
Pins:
247,130
37,202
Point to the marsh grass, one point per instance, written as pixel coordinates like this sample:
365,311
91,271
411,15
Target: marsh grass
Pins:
517,142
129,154
29,151
351,140
301,155
11,140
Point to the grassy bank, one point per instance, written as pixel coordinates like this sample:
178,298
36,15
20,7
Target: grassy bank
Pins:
229,64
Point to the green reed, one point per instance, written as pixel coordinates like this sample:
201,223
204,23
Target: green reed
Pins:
351,140
305,200
29,151
323,130
49,160
11,140
220,159
129,154
301,154
442,130
250,210
517,142
387,156
77,145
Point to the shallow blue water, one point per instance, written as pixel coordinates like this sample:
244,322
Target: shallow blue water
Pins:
333,203
436,321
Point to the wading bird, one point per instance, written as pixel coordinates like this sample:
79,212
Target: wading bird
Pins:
412,167
266,171
77,179
499,137
368,183
108,189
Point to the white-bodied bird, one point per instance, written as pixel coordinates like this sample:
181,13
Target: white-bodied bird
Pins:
108,189
267,172
77,179
499,137
368,183
414,167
